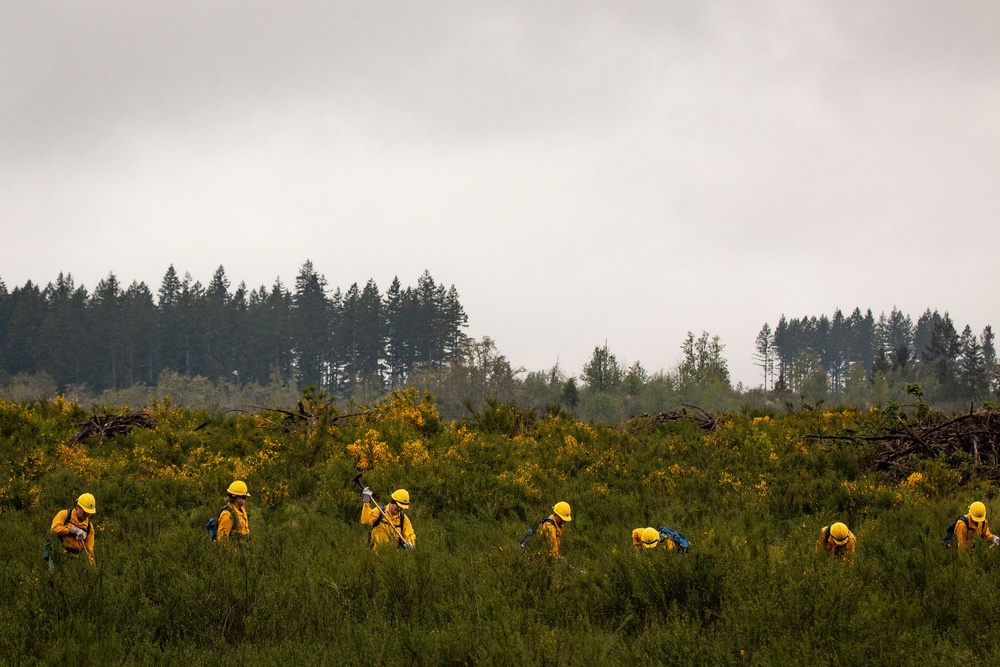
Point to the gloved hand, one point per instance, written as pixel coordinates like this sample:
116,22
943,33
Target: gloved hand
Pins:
996,540
77,533
366,495
407,545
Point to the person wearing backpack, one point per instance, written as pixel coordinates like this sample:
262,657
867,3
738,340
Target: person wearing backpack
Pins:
552,526
232,520
74,529
838,541
971,524
650,538
390,526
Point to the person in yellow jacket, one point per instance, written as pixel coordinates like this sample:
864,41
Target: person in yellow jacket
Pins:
650,538
838,541
233,516
74,529
972,524
552,526
391,526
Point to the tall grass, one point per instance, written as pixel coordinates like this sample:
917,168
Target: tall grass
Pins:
307,589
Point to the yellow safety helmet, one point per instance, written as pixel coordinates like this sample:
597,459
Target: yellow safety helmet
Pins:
562,511
238,488
650,537
87,502
977,511
402,498
839,533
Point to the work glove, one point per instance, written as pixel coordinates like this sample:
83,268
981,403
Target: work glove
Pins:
77,533
996,540
366,495
407,545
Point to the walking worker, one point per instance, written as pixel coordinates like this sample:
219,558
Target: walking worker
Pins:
971,524
74,529
233,515
552,526
390,526
838,541
650,538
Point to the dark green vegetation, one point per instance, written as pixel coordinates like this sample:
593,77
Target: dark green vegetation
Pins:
347,342
751,496
210,346
859,359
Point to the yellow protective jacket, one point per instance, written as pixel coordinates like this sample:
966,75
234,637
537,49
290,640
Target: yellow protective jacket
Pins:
70,544
846,550
551,534
226,527
384,532
964,534
667,543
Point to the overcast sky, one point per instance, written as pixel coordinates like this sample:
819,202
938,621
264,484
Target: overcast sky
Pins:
580,171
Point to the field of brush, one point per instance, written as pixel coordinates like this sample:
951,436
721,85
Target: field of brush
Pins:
751,496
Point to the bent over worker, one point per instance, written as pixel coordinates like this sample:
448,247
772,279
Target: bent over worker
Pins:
972,524
233,516
552,526
74,529
650,538
838,541
391,526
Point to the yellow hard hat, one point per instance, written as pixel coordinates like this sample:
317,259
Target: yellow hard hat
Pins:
977,511
839,533
86,501
402,498
238,488
562,511
650,537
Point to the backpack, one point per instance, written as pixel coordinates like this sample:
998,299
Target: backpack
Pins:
949,533
682,542
531,531
212,525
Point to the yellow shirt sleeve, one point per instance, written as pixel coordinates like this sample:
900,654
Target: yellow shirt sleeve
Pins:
57,524
369,515
408,533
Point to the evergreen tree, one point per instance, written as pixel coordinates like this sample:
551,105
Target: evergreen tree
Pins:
21,346
972,369
171,352
398,349
312,327
140,340
215,335
602,372
62,335
106,326
764,353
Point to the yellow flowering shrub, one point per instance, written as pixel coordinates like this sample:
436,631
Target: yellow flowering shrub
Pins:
370,452
415,453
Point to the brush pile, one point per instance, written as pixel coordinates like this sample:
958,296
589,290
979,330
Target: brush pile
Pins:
705,421
106,425
976,434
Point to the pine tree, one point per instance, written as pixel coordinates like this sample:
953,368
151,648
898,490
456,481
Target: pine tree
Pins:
602,372
312,327
106,326
764,353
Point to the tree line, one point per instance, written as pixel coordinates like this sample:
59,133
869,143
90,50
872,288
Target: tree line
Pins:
118,336
845,354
